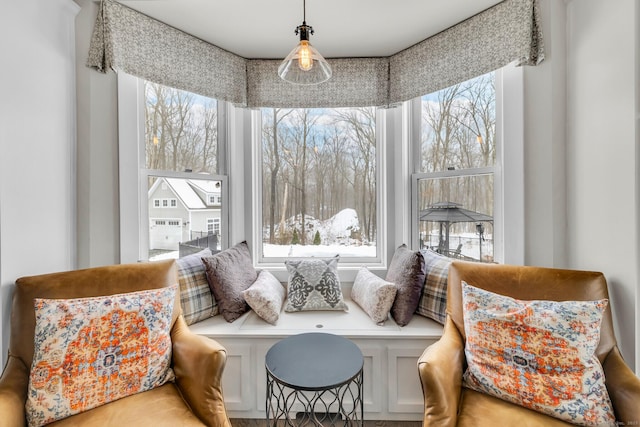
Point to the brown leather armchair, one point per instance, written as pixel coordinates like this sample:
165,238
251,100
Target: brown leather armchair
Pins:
448,404
194,399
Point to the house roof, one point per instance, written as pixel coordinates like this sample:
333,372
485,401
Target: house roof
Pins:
186,193
184,189
206,186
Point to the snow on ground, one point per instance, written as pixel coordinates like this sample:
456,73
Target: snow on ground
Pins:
284,251
165,255
340,225
338,229
336,238
470,244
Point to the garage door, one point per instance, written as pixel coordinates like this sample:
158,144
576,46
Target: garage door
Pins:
165,233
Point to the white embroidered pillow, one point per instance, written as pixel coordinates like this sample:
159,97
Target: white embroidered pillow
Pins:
373,294
266,296
314,285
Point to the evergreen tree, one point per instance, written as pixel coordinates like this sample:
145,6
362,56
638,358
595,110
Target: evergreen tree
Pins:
295,240
316,239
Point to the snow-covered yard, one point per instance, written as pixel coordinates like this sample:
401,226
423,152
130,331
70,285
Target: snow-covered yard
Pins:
336,237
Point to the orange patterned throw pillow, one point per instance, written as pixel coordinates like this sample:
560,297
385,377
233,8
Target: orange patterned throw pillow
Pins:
91,351
537,354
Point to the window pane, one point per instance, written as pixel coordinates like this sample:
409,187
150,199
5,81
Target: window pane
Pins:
455,216
456,200
458,126
187,226
181,130
319,182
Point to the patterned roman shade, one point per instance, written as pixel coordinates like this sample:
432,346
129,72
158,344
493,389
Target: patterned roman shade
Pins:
364,81
505,33
126,40
132,42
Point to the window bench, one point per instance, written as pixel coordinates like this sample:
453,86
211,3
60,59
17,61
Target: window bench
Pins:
392,388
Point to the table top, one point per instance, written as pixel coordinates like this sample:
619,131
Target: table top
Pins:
314,361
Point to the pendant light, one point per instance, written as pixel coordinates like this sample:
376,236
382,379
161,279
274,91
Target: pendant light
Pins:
304,65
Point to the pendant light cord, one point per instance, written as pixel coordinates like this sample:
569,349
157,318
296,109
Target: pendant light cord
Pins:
304,11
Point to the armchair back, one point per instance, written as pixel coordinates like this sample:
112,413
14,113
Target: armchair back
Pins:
530,283
97,281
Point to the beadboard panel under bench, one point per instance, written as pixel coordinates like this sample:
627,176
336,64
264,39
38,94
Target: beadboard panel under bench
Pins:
391,386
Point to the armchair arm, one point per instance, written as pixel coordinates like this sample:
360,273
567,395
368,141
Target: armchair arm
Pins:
623,387
14,384
441,367
198,363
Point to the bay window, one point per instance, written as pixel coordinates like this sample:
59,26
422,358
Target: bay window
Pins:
325,181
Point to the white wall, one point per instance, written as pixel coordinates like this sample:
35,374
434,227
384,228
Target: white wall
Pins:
37,143
602,152
544,147
97,156
581,161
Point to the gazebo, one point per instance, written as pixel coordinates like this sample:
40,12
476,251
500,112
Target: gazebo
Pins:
447,213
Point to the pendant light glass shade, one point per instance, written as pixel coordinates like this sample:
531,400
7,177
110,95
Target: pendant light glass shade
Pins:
304,65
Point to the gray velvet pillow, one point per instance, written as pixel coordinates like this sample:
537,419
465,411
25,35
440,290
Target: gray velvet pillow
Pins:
407,272
229,273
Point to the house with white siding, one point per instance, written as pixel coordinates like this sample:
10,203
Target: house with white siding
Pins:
181,210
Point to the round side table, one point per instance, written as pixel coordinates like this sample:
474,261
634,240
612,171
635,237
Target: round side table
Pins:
319,376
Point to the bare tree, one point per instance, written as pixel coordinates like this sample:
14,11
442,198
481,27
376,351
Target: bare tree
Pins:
301,126
181,130
321,162
271,136
359,125
459,132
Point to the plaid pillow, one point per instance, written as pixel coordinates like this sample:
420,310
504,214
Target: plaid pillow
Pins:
433,301
196,298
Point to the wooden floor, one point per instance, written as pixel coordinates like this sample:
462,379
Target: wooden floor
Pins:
236,422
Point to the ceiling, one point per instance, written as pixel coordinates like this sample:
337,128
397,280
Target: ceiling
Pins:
343,28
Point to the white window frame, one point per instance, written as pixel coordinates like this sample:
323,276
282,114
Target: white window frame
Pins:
508,175
348,266
394,168
214,224
134,206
